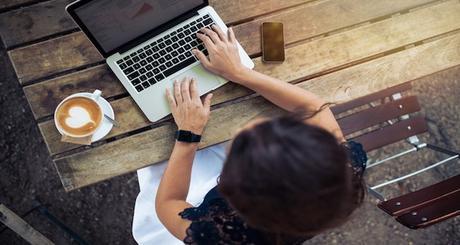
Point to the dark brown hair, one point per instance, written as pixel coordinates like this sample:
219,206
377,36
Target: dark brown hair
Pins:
287,177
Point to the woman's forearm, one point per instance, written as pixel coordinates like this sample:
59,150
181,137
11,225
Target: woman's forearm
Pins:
175,182
282,94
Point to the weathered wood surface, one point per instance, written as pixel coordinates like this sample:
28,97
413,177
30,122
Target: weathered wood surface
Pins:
363,12
310,58
152,146
34,22
21,227
13,3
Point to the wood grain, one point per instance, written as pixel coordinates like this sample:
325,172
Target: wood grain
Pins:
316,56
314,19
363,12
51,57
152,146
21,227
34,22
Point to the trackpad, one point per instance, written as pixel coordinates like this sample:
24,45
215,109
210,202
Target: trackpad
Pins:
206,81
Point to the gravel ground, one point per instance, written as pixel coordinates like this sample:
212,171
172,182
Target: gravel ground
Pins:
102,213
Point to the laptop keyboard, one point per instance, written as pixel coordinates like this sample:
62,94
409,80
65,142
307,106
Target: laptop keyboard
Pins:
164,56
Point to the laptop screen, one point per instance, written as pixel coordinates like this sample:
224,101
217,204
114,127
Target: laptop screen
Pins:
113,23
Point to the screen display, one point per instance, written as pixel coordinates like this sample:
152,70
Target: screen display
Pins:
113,23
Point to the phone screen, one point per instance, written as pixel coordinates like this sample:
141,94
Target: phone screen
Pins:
272,42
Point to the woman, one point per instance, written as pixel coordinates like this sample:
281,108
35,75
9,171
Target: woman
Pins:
283,181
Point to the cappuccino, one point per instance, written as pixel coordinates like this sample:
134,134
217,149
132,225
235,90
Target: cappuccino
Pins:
78,116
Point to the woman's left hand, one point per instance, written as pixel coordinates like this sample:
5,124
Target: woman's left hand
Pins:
189,112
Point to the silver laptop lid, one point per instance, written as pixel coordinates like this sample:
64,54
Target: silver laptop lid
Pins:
118,25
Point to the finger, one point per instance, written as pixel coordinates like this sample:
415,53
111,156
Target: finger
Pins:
194,94
171,100
210,33
185,89
203,59
207,102
206,40
177,93
231,35
219,32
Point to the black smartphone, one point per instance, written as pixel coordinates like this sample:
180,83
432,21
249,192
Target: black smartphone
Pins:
272,42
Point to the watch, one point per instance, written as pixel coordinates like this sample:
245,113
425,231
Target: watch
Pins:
187,136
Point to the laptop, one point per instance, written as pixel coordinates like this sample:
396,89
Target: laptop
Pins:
148,43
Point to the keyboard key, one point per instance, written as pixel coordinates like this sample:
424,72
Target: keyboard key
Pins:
139,88
162,45
159,77
166,36
143,77
136,81
136,59
173,33
179,66
181,50
133,75
168,57
181,35
146,84
142,56
149,74
156,56
175,45
128,70
180,29
193,29
186,26
205,52
140,51
175,60
187,32
123,66
149,52
168,42
199,19
162,52
188,39
169,64
143,62
192,23
133,54
162,60
152,81
142,71
119,61
126,58
182,42
149,67
155,49
181,57
146,47
207,21
175,39
137,66
156,70
155,63
169,49
188,54
129,62
200,25
174,53
187,47
162,67
149,59
193,43
159,40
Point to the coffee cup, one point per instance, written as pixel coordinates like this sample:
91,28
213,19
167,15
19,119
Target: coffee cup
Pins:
79,115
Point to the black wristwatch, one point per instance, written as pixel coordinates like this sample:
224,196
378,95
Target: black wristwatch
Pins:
187,136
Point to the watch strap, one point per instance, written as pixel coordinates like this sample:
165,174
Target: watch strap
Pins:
187,136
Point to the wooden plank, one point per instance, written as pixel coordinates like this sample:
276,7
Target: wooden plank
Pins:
314,57
152,146
34,22
44,97
379,114
315,19
51,57
12,3
21,227
366,13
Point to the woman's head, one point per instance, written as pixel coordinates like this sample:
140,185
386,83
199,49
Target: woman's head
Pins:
288,177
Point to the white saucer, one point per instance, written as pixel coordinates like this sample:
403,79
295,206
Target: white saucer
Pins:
106,125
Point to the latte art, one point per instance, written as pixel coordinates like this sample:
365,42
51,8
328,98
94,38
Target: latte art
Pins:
79,116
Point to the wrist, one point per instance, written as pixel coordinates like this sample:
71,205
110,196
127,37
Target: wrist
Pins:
241,75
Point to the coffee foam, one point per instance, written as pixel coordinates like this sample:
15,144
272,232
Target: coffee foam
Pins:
79,116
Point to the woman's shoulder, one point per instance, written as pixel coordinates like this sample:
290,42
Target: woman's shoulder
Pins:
215,222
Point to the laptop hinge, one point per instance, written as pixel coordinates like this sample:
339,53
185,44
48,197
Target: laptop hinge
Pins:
156,31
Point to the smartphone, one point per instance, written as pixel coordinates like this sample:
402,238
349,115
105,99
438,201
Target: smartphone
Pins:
272,42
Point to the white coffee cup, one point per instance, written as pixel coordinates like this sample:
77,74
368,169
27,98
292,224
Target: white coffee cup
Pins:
95,96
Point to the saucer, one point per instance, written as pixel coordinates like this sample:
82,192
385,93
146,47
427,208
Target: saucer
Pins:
106,125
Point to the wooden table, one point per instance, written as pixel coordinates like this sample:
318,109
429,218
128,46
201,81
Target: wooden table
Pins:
339,49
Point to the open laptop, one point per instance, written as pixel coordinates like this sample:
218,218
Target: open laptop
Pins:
148,43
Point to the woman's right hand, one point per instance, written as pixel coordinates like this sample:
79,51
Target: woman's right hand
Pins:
224,59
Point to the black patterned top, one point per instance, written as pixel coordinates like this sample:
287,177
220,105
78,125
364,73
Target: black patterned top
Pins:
215,222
